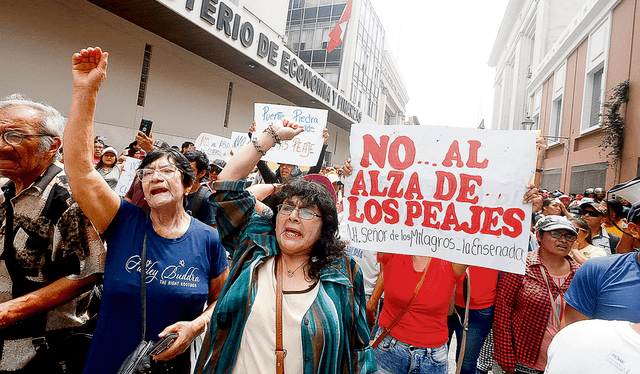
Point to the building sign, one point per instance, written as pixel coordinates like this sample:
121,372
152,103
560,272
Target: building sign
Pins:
444,192
223,20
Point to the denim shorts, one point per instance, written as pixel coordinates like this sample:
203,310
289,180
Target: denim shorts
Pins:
394,356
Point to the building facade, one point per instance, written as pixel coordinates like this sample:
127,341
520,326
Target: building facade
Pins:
190,66
557,64
360,67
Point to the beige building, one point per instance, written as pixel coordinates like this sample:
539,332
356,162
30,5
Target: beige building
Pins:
190,66
557,63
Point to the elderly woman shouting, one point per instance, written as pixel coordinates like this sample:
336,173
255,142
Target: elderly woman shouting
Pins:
291,288
186,265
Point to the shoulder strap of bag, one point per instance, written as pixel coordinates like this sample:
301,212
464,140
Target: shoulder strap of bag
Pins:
556,318
281,353
387,329
466,292
143,281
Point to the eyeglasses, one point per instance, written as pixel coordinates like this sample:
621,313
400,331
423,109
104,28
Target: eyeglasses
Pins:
15,137
164,173
567,237
303,213
591,213
215,169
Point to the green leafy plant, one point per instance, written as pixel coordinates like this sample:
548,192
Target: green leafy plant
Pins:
612,124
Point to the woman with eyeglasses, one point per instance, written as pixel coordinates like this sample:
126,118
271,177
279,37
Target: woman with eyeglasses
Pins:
583,248
286,251
186,266
529,307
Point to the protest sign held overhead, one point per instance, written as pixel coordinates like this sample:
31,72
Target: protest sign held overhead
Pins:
127,175
450,193
304,149
214,146
239,140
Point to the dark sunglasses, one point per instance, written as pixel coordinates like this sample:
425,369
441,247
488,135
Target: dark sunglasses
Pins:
591,213
567,237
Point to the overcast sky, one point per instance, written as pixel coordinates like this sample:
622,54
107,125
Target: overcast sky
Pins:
442,49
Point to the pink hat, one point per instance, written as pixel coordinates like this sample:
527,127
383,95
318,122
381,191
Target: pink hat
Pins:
325,181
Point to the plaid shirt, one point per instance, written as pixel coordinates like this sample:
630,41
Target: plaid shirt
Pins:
335,335
53,239
523,310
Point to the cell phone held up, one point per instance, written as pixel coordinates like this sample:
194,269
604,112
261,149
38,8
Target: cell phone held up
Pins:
164,343
145,126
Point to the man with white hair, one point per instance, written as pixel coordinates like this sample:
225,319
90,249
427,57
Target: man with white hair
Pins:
51,254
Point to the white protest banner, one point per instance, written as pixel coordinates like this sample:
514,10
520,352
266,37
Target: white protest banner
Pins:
450,193
239,140
214,146
304,149
127,175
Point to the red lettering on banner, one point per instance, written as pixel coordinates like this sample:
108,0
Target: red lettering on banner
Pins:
374,174
513,222
397,178
377,151
372,217
467,190
451,183
413,188
491,220
450,218
453,154
414,210
390,208
353,210
474,227
409,153
429,215
359,185
474,145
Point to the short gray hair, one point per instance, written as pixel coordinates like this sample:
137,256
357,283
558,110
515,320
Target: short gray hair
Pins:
52,122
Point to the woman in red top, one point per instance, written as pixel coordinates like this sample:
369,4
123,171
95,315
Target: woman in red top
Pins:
418,342
524,315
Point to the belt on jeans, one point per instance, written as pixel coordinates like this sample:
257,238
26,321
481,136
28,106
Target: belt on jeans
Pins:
407,345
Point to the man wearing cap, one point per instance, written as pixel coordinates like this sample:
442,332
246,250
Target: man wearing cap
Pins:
594,214
608,287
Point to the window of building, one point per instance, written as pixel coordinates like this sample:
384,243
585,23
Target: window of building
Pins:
595,84
596,66
556,120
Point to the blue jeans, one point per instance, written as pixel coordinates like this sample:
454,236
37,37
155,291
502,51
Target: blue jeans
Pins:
480,322
394,356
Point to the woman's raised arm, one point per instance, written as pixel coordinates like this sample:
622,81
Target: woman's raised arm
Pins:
94,196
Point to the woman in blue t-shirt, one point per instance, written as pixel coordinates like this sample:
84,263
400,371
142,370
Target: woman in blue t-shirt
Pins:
186,266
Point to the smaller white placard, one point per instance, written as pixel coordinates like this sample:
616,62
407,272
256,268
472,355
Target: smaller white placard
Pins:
304,149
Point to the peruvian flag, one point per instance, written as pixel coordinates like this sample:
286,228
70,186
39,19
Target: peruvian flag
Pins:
338,32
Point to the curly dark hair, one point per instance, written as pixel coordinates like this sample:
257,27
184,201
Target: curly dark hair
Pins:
328,248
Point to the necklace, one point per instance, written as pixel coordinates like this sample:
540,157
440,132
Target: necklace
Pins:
289,272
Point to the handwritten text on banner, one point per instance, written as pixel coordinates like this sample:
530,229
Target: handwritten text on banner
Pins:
214,146
444,192
305,148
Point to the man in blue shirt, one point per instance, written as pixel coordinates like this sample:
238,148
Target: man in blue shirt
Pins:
607,287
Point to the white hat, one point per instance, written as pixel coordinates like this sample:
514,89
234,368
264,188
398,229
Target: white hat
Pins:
110,149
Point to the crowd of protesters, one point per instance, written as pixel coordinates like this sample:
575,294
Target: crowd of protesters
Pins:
230,247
